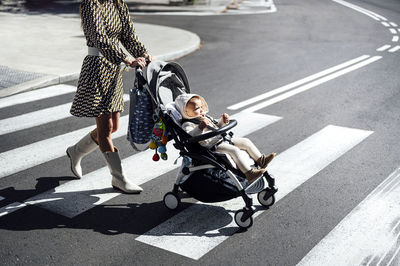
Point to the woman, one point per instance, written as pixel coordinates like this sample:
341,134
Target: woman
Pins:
100,92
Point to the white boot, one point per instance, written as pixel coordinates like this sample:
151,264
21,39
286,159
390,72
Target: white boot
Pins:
76,152
119,181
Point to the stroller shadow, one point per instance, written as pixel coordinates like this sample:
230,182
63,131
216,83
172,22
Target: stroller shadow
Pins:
108,219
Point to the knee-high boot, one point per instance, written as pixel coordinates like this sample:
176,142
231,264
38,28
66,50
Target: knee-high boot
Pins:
119,180
76,152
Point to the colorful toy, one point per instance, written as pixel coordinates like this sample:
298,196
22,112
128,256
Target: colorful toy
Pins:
158,141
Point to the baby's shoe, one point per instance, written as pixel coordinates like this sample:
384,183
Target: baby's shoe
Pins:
264,160
253,174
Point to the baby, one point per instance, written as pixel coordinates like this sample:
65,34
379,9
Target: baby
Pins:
193,109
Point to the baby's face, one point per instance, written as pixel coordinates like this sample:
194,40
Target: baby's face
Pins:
194,108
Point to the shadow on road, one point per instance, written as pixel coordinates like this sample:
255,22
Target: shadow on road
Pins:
108,219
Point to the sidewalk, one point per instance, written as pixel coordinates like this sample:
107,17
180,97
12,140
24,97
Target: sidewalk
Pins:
39,50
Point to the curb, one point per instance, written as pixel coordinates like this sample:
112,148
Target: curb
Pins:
54,80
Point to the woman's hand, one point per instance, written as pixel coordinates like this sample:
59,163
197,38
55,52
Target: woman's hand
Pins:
148,57
134,62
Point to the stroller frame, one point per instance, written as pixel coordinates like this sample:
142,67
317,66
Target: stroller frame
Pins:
201,157
243,217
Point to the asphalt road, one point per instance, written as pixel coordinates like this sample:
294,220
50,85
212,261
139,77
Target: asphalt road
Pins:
240,57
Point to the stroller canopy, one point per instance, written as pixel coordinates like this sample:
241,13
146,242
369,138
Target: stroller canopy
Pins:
166,81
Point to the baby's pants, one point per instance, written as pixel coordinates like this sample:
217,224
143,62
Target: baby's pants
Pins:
238,157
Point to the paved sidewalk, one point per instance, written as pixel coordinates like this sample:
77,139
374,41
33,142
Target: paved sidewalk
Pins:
39,50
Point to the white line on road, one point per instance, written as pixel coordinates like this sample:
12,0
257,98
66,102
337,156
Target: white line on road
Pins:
393,31
202,227
38,118
36,95
1,198
311,85
25,157
394,49
367,232
383,48
395,38
78,196
385,24
296,83
393,24
360,9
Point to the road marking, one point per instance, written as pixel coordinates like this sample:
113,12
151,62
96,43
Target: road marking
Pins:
395,38
385,24
11,208
25,157
368,232
38,118
311,85
383,48
393,24
78,196
360,9
36,95
1,198
393,31
296,83
202,227
394,49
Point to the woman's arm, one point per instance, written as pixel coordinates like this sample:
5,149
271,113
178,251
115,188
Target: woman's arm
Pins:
94,29
128,37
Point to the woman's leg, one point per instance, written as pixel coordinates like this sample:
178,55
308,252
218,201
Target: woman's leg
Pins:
248,146
104,129
106,125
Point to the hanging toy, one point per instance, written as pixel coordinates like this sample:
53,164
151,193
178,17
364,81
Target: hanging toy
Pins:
158,141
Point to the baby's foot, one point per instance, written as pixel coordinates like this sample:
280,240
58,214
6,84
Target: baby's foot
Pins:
264,160
253,174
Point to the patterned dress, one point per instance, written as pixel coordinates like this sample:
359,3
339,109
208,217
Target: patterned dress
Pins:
100,90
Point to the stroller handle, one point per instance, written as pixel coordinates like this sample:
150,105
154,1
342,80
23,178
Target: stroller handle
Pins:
232,123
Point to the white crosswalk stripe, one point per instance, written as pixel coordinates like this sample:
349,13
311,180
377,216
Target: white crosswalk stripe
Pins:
36,95
37,118
369,235
196,230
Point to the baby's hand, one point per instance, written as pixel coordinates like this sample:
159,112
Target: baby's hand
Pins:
225,118
204,123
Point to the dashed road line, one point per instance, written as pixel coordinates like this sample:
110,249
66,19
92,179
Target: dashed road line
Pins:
384,23
393,31
395,38
393,24
383,48
394,49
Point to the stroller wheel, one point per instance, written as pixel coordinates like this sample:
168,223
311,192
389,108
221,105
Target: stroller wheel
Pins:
266,197
243,224
171,200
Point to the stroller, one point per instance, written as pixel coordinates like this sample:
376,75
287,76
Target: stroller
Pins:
205,175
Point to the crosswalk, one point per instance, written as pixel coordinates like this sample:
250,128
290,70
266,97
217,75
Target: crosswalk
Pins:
198,229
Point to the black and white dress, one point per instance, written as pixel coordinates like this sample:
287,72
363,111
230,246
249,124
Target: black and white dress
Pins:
100,90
